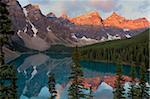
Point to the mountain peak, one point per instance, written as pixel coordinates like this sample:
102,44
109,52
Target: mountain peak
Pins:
120,22
116,16
90,18
51,14
34,11
36,6
93,13
32,6
89,14
114,19
64,15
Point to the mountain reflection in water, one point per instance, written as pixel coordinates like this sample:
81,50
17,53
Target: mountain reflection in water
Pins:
33,71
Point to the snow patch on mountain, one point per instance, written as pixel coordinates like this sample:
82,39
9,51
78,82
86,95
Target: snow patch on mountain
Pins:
48,29
25,30
88,39
111,37
33,28
103,38
74,36
25,12
84,40
18,33
27,20
126,30
128,36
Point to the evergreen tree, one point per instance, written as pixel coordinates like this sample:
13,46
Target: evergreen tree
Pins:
119,87
8,88
132,89
5,29
143,89
76,88
51,85
90,96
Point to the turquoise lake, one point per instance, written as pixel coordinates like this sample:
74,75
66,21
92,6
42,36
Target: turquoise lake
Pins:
33,70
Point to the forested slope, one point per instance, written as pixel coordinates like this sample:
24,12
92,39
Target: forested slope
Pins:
133,50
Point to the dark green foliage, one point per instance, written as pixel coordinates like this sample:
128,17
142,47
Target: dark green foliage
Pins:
5,29
76,87
132,93
119,87
131,49
51,85
90,95
143,89
8,88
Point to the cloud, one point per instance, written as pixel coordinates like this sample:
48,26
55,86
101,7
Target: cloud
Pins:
40,1
77,7
128,8
134,8
105,5
24,2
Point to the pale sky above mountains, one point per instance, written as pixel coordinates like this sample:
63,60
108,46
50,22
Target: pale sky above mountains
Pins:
130,9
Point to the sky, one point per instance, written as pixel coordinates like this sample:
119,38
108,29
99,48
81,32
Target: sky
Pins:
131,9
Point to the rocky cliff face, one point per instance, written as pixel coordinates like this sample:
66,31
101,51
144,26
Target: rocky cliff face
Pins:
16,14
33,28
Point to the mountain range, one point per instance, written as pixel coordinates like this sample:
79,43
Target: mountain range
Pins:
36,31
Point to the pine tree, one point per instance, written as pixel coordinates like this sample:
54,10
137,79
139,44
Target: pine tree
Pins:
5,29
51,85
119,87
132,89
76,88
143,89
90,96
8,88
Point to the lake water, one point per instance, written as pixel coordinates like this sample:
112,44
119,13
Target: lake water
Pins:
33,71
